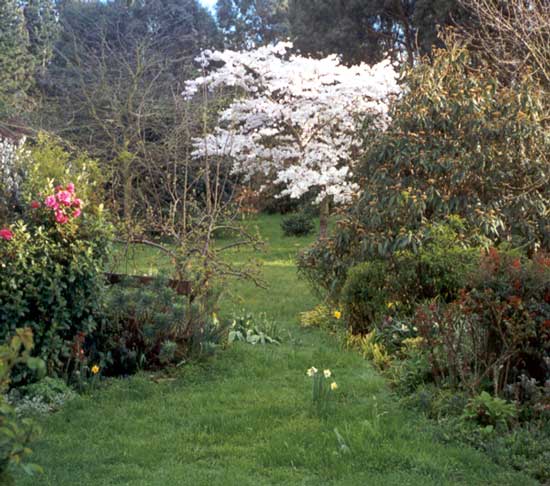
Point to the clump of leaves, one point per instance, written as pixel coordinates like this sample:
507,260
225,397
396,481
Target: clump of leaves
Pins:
15,433
247,328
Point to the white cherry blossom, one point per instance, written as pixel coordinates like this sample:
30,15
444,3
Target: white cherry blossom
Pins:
295,119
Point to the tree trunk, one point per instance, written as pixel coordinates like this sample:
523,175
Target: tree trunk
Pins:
324,213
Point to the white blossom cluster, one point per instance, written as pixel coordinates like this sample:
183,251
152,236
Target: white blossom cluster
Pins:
9,151
298,119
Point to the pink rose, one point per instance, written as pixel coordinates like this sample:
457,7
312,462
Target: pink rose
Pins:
76,213
6,234
70,187
60,217
35,204
64,197
51,202
77,203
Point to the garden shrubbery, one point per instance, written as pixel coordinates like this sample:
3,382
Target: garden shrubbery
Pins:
298,224
52,274
151,327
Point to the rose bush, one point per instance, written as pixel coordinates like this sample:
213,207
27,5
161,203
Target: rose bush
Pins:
51,263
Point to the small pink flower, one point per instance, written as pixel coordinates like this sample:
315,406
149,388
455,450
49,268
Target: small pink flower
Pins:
77,203
35,204
58,188
76,213
64,197
51,202
70,187
6,234
60,217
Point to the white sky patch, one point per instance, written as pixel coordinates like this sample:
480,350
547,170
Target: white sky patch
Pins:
209,3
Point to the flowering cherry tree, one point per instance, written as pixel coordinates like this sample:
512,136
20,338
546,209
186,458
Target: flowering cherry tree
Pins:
298,120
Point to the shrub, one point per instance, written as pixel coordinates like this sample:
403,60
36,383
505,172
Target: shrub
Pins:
15,434
440,268
491,411
497,331
298,224
150,327
365,295
52,275
430,164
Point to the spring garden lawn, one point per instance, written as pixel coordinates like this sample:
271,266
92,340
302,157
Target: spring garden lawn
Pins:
243,416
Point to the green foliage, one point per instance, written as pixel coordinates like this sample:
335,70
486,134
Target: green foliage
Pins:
365,295
459,143
497,330
367,31
15,434
46,161
150,327
321,316
16,63
439,270
52,282
489,411
298,224
28,30
247,328
47,389
247,23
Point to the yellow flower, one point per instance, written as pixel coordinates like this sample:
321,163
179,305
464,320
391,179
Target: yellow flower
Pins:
333,386
95,369
337,314
311,371
327,373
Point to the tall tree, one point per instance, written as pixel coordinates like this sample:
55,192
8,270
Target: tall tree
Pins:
366,30
112,86
252,23
16,61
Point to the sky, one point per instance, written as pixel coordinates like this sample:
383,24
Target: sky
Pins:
208,3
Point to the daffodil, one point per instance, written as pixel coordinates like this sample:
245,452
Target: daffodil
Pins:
95,369
312,371
327,373
333,386
337,314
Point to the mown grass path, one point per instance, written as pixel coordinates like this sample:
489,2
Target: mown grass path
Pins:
243,417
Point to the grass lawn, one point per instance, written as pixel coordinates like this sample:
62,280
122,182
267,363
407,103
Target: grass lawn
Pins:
243,417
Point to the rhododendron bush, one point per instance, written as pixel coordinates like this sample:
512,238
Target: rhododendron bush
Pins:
51,268
297,120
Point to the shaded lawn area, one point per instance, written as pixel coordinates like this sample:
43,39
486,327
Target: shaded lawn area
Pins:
243,417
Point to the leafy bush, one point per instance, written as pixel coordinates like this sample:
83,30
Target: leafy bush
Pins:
497,331
52,275
430,164
365,295
491,411
298,224
150,327
15,434
438,270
